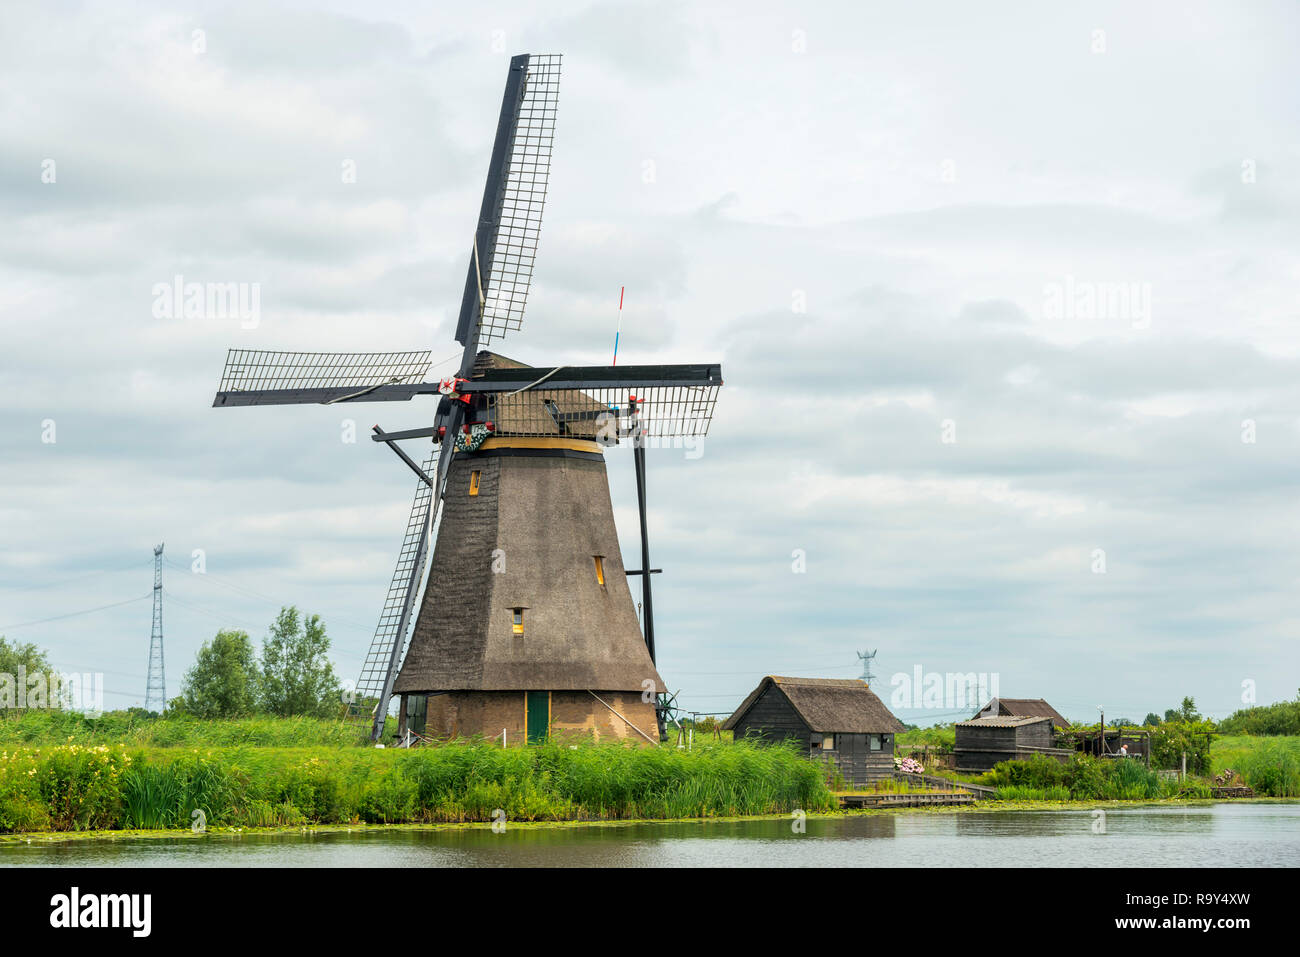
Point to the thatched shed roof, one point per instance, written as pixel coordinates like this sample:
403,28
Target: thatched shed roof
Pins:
1023,708
827,705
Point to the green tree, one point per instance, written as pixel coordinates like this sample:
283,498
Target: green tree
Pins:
223,681
22,664
1282,717
15,654
297,676
1151,719
1187,710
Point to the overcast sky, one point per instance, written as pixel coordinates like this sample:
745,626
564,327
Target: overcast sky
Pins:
1005,297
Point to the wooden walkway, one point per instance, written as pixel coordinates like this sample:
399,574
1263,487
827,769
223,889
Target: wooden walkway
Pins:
869,799
943,784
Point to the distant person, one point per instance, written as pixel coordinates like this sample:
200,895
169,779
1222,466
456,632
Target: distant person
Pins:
1123,750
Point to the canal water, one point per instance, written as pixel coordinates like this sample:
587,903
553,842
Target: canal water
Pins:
1217,835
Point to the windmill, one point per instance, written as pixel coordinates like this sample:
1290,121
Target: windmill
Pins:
527,622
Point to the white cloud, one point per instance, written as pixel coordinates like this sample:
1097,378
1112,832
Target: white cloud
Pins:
913,180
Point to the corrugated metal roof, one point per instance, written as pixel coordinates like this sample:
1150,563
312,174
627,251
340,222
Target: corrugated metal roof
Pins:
1001,721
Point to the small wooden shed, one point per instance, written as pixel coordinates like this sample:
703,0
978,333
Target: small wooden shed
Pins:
836,718
984,742
1022,708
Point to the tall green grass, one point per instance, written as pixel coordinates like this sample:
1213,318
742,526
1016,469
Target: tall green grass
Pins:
58,788
136,729
1272,767
1015,792
1269,765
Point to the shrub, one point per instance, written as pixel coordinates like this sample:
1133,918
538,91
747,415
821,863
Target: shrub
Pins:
1038,771
314,789
1170,740
80,787
18,812
1085,778
389,801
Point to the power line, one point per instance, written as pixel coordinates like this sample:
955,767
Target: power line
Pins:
134,566
215,616
74,614
249,592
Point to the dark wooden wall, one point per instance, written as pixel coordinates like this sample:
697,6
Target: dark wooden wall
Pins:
978,749
773,718
1037,735
858,763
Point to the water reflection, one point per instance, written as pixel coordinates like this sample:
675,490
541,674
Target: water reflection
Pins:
1212,835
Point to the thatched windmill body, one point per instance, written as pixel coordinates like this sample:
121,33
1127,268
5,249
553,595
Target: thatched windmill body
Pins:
527,624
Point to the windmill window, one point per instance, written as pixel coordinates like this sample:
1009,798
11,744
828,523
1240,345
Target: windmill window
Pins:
828,742
875,742
517,621
600,569
473,481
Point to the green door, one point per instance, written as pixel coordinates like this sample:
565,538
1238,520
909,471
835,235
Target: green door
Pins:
537,705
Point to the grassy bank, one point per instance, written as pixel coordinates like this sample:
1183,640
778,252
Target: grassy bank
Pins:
134,729
1270,765
74,787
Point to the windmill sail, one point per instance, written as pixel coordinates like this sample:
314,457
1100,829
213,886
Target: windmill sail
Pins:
510,222
260,377
672,401
393,630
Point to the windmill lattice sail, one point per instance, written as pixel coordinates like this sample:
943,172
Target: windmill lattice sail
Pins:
512,250
604,413
394,621
260,377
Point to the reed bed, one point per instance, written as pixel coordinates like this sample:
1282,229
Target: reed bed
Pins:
1271,766
53,727
76,787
